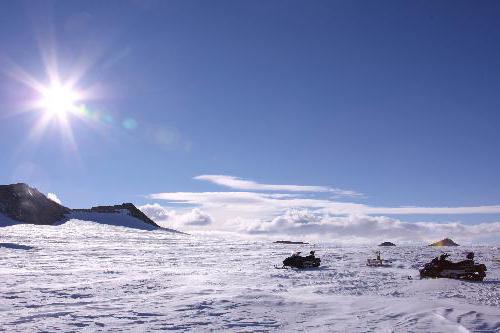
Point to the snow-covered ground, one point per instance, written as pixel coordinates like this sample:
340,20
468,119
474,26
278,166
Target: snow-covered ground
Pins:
88,277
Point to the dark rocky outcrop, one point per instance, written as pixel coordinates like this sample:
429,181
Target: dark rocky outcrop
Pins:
288,242
26,204
14,246
132,211
387,244
20,203
444,242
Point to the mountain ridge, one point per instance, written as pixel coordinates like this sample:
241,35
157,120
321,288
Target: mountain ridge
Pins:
26,204
23,204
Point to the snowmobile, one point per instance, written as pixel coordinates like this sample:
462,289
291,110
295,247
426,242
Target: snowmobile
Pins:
440,267
298,261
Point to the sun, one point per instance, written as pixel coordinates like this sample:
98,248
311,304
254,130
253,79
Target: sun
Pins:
58,99
56,102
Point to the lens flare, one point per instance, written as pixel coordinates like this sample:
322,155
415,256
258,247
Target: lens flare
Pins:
129,124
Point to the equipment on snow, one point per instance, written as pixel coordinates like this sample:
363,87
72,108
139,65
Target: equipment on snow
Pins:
440,267
378,262
298,261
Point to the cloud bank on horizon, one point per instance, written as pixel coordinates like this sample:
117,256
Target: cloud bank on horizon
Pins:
194,217
263,209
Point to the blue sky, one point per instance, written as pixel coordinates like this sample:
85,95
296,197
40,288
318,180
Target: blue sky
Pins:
397,100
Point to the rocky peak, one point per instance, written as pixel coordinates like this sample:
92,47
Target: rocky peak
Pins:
131,209
20,203
444,242
387,244
26,204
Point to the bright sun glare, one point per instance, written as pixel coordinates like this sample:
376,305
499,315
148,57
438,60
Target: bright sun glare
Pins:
58,100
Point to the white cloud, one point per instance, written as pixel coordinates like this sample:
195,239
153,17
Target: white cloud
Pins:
366,228
169,218
155,212
249,185
53,197
195,217
293,214
275,203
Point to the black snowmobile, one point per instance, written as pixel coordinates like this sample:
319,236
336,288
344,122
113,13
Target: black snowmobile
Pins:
440,267
298,261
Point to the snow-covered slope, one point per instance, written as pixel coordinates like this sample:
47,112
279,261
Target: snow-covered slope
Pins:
84,276
124,215
118,219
